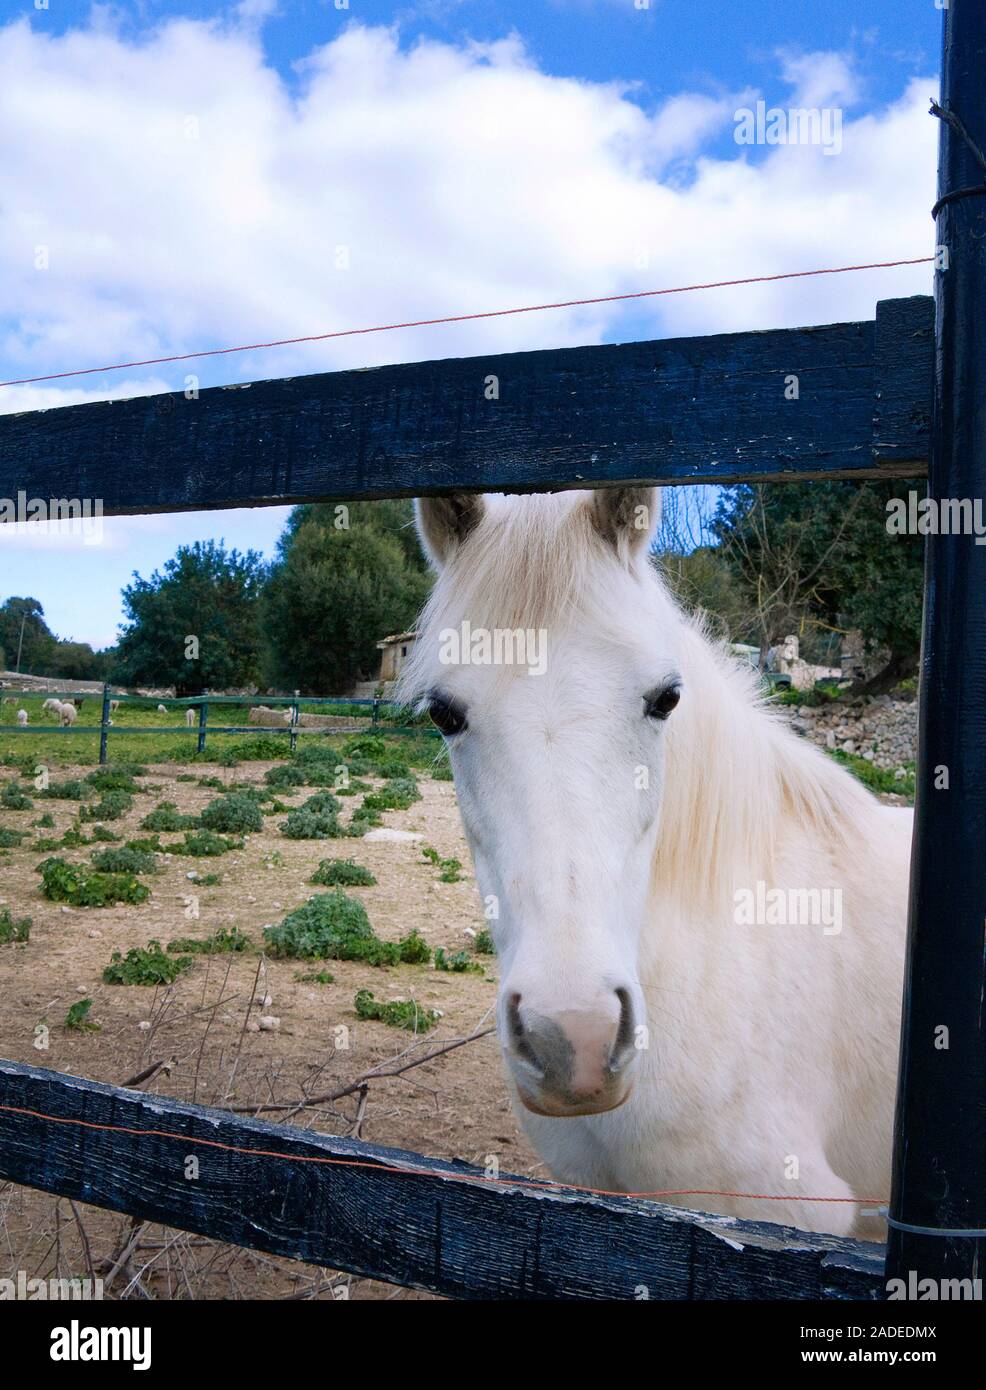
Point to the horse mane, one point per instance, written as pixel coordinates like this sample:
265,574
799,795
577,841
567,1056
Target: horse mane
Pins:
738,779
736,775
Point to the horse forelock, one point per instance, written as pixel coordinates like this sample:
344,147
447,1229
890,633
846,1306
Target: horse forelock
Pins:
532,563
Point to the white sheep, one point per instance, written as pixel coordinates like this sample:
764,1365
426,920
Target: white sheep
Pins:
190,717
162,709
54,705
22,718
67,714
287,716
114,706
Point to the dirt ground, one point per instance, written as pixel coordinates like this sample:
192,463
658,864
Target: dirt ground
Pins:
203,1025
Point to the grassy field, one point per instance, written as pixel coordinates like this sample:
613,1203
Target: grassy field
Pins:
882,781
245,965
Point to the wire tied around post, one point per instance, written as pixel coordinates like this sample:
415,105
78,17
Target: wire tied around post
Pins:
976,190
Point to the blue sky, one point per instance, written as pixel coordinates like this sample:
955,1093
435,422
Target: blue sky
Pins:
200,174
667,46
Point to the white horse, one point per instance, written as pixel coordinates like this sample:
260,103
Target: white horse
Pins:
699,916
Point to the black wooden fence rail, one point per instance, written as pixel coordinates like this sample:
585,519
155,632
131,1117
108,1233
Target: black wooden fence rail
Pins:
714,409
397,1216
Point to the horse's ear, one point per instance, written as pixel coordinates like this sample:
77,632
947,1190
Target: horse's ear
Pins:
445,522
626,517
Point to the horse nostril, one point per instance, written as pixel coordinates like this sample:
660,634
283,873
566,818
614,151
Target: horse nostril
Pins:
518,1035
625,1034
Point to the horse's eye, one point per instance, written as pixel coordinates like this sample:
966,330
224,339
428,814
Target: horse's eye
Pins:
448,715
658,704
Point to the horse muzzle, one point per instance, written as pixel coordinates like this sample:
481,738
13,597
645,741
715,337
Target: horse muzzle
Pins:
574,1062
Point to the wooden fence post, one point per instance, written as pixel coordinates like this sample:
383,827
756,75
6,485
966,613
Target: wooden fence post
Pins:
938,1205
294,724
104,723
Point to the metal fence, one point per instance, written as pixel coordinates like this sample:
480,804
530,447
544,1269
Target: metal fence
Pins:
203,703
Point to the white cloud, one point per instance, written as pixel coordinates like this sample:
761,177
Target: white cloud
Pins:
820,79
187,197
683,123
254,12
798,210
49,395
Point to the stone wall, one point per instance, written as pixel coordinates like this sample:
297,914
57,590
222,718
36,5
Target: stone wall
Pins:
883,730
13,680
276,719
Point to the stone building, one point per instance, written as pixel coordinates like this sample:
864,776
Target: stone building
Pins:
394,651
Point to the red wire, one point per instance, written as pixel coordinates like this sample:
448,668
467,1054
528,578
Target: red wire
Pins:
460,318
425,323
424,1172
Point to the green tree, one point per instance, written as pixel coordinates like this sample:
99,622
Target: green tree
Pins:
77,661
391,516
197,625
703,581
74,662
875,582
816,558
26,615
335,590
